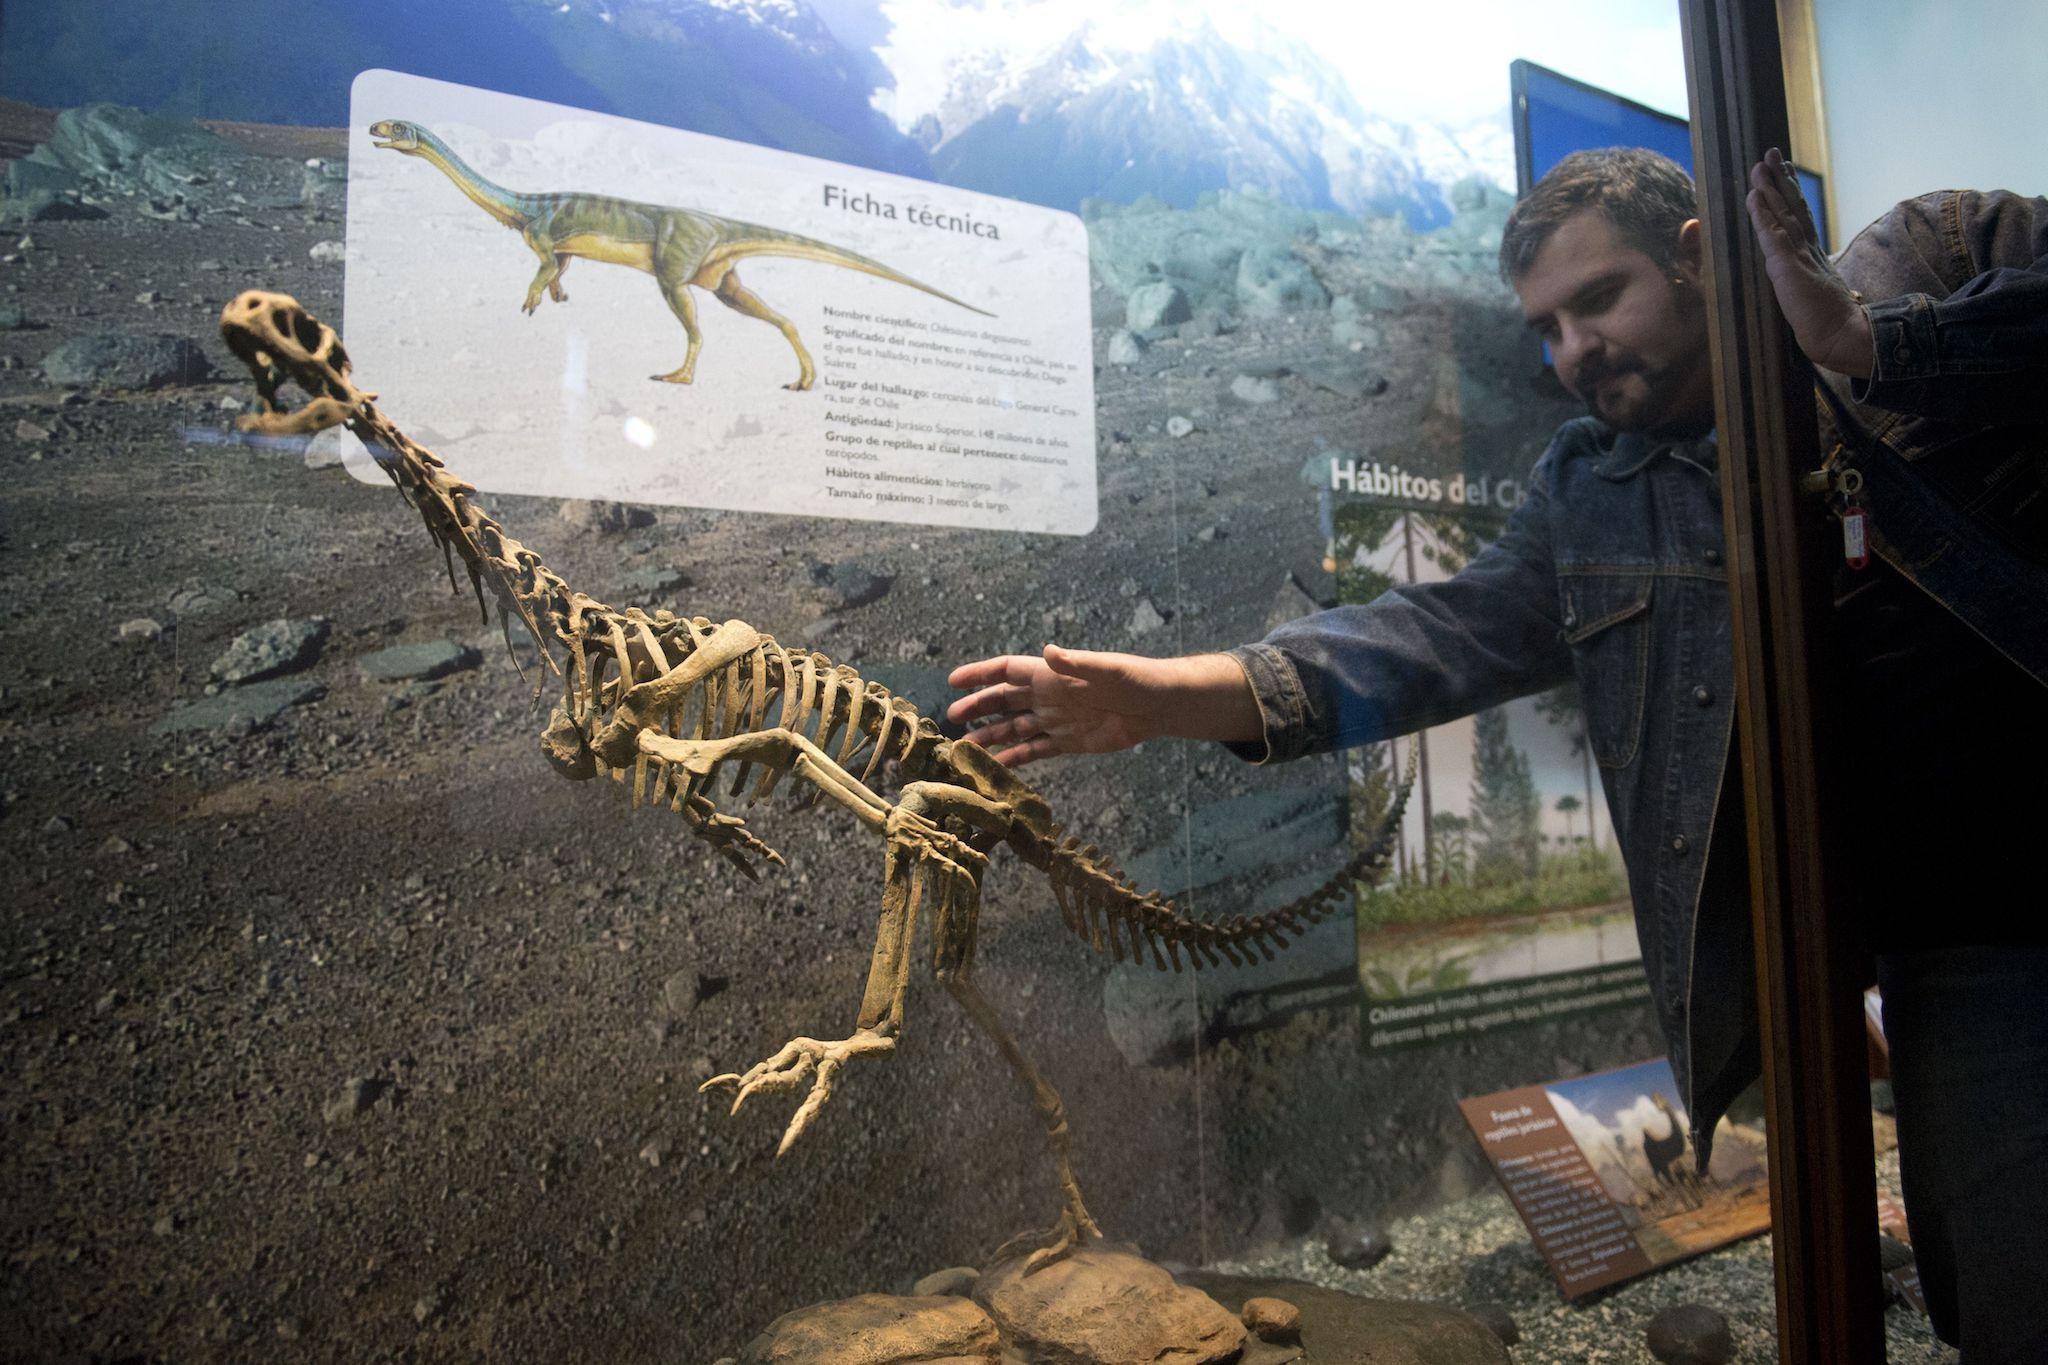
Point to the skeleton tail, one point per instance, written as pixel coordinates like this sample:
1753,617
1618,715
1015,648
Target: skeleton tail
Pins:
1103,906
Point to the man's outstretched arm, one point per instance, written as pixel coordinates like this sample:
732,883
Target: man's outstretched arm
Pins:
1417,656
1081,701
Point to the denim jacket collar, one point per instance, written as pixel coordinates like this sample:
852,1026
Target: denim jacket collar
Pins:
1630,451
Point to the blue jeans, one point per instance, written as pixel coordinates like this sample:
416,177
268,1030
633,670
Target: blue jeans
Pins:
1968,1032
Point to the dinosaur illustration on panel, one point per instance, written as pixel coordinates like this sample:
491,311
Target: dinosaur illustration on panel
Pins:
681,248
685,712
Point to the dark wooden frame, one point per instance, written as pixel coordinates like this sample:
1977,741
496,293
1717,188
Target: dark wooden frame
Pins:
1779,552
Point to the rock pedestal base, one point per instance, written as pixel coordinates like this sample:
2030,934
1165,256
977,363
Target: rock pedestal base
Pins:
1107,1307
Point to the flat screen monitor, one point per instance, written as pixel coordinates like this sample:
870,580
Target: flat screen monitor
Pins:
1556,116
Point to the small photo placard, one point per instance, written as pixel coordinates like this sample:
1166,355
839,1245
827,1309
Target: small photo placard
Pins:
1601,1169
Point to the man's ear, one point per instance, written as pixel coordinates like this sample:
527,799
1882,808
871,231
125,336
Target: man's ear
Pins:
1686,262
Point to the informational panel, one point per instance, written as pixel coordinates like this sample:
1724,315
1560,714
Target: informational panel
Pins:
1506,903
1601,1169
578,305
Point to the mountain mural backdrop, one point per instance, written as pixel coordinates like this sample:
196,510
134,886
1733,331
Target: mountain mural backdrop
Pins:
1070,116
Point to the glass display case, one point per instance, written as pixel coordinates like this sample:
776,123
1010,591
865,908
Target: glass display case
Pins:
342,1019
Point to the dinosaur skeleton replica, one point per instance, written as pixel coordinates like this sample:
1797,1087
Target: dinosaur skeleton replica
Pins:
687,711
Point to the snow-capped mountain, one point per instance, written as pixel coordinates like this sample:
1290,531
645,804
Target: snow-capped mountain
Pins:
762,71
1156,100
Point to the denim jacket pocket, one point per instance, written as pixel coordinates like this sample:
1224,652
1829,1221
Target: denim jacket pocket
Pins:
1606,619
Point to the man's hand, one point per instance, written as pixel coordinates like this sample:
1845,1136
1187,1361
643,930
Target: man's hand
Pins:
1077,701
1828,322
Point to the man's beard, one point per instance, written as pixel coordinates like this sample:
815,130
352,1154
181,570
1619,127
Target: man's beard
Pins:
1662,387
1634,412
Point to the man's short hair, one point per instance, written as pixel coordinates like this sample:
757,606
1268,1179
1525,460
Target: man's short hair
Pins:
1645,197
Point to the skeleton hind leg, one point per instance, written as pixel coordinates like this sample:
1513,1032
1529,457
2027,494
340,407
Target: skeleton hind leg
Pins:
953,934
876,1029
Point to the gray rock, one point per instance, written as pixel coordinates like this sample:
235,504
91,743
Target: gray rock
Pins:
644,585
126,151
429,1306
107,140
355,1099
327,253
1349,1327
1271,282
1255,388
1360,1247
604,518
326,448
689,988
1127,348
12,317
1203,326
323,183
430,659
1161,304
1380,297
139,629
110,360
241,708
1145,618
1690,1334
273,648
1350,332
190,602
1178,426
848,584
44,174
1345,379
1476,194
923,684
656,1151
1197,249
1498,1320
49,206
25,430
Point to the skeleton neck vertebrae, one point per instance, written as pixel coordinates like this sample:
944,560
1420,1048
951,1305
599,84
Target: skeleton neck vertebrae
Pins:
692,714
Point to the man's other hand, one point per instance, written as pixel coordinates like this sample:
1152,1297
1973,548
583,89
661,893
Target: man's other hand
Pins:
1827,320
1078,701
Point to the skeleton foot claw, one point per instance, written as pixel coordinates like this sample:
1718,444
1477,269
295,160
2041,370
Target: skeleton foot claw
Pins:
787,1069
1059,1240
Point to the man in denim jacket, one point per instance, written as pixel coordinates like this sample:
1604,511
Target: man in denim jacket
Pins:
1932,333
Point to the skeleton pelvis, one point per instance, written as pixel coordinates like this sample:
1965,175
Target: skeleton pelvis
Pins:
566,748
